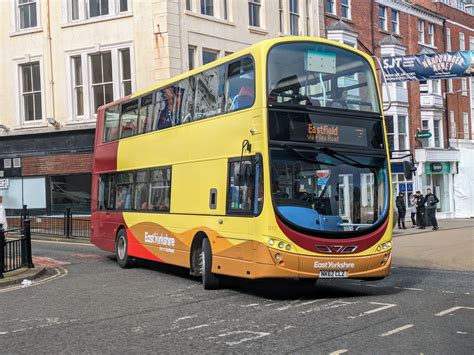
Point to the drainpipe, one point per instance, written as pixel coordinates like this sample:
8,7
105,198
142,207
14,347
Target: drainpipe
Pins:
372,25
50,50
446,110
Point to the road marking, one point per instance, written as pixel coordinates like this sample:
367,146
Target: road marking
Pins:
255,335
60,272
396,330
330,305
450,310
412,289
340,351
447,291
384,307
461,332
59,242
249,305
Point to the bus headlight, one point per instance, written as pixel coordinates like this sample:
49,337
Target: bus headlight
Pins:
384,246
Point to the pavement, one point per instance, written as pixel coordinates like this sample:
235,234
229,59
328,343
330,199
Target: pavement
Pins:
420,248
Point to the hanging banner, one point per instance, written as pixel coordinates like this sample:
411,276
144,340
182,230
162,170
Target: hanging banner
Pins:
428,66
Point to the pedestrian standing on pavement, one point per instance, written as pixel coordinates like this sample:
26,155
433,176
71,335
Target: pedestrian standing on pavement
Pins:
402,210
420,210
413,210
3,216
430,201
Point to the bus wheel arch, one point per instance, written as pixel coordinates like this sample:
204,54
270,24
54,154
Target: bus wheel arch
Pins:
201,261
195,256
121,249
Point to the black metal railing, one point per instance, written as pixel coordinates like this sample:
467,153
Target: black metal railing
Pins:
65,224
15,252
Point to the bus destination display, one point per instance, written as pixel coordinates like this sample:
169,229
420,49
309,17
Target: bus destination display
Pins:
337,134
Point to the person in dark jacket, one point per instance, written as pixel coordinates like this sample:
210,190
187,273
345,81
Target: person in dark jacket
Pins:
402,210
420,210
430,201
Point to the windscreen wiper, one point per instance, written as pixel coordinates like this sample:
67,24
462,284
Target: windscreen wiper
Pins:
302,156
345,159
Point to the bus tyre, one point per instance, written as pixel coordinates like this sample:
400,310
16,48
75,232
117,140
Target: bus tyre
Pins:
210,281
121,250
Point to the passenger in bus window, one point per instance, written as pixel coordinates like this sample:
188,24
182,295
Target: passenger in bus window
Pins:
165,118
243,99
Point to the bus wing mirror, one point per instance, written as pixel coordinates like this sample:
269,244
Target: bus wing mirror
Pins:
408,170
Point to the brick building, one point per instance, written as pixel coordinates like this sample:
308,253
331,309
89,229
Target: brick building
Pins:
444,107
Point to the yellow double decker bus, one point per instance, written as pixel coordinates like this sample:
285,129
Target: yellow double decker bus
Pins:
269,163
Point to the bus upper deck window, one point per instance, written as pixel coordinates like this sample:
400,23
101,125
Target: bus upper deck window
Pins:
240,90
111,127
128,119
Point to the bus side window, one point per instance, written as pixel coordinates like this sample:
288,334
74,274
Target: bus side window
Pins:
111,124
124,191
128,119
186,102
241,189
110,189
209,92
164,110
146,114
142,190
160,190
240,88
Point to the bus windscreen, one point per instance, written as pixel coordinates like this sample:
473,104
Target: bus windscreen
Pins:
320,75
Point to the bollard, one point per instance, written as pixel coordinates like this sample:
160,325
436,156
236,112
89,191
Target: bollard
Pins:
2,251
29,255
68,223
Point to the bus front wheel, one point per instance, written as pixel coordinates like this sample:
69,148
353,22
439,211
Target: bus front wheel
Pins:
121,250
210,281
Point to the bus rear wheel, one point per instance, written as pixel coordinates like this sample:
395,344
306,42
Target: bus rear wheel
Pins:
121,250
210,281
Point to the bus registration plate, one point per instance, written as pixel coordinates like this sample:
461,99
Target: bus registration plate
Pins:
332,274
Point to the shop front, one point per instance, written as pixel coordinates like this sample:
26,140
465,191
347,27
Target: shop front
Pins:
436,169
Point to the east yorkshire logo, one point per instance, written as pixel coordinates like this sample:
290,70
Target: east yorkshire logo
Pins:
160,239
333,265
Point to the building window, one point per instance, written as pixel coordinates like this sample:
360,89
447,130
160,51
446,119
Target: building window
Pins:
208,56
448,39
294,17
254,13
31,92
382,18
421,31
452,125
465,122
98,8
74,10
462,45
191,57
395,22
126,75
308,17
78,90
188,5
437,133
102,83
346,8
402,132
450,86
207,7
27,16
331,7
123,7
225,9
464,86
431,30
390,133
425,126
282,16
